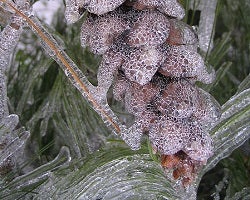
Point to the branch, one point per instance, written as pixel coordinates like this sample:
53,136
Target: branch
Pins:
70,69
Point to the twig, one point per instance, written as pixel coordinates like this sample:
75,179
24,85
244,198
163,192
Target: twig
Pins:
62,58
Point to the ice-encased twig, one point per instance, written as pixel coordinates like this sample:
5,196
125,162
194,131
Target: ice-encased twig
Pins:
70,69
206,23
74,74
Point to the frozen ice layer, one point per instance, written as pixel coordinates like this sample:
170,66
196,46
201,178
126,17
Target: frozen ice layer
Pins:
169,7
182,62
169,136
100,33
151,28
99,7
181,34
141,64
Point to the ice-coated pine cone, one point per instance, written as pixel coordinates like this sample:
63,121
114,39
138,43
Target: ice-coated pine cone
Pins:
151,58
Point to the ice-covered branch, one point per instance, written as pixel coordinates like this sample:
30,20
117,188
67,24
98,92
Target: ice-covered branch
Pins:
70,69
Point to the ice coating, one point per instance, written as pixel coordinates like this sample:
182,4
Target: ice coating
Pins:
111,61
100,33
190,138
72,13
181,34
142,63
169,7
178,100
151,28
182,62
138,97
100,7
172,127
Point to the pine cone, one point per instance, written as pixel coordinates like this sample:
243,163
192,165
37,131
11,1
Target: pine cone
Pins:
152,57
